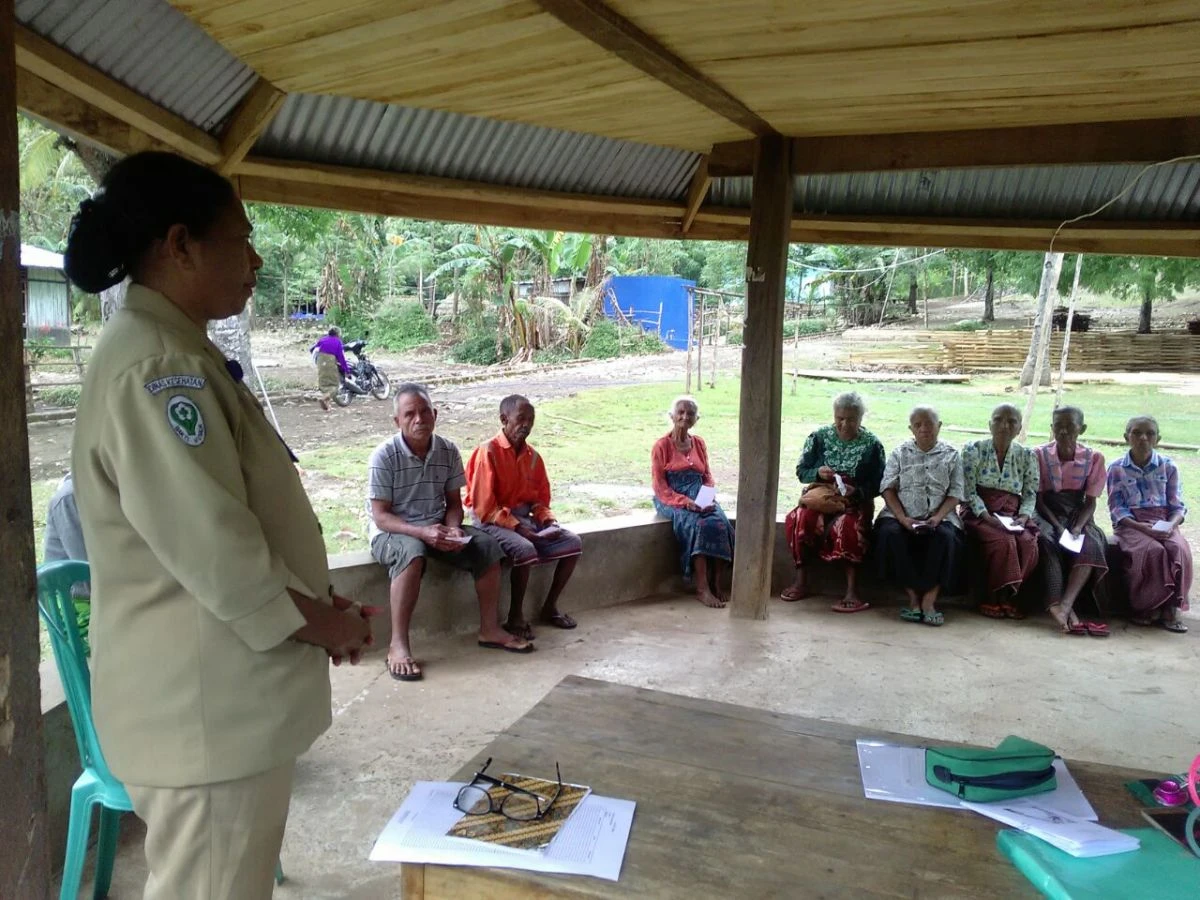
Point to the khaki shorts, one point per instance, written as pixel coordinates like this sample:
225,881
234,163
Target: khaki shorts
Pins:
399,551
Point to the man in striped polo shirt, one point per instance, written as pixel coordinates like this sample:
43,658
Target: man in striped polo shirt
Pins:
414,492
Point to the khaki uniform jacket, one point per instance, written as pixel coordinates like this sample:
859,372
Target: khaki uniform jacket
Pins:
196,523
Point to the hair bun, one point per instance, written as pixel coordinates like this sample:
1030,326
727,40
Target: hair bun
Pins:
94,259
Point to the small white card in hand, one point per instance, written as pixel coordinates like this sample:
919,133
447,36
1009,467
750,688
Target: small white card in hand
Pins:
455,539
706,496
841,485
1009,523
1071,542
1162,526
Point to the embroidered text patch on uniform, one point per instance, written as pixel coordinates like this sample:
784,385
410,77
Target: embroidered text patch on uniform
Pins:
158,385
183,415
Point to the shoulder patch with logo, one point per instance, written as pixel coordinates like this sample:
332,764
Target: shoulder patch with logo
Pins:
183,415
158,385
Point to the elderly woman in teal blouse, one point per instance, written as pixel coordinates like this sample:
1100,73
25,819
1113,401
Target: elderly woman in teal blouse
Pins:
1000,478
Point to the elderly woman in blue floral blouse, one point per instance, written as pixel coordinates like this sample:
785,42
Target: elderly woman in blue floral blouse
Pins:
1001,481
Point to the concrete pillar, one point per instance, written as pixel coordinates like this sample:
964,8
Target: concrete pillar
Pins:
24,859
762,377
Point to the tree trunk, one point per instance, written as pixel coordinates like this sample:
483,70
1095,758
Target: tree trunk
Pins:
95,162
232,337
112,299
1038,357
989,295
286,309
912,294
1144,315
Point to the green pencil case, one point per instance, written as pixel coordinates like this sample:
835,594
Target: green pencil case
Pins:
1015,768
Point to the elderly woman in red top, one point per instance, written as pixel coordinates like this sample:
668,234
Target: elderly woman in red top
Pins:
508,494
679,468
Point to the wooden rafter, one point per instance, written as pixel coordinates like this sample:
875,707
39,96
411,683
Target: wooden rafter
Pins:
1092,143
80,120
51,64
697,191
250,119
616,34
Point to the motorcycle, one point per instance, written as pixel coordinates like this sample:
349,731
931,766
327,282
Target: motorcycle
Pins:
363,378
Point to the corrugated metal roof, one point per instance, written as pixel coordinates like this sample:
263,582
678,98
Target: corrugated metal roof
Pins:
1166,193
151,48
393,138
37,258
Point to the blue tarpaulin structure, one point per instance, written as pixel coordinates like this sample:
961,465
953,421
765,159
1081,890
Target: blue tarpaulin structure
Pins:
661,303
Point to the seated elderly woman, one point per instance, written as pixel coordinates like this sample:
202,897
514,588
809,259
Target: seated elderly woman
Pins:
918,535
1000,478
841,466
1070,478
1147,508
679,469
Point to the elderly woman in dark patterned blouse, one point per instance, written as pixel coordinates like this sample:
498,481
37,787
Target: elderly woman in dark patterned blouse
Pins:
849,457
918,535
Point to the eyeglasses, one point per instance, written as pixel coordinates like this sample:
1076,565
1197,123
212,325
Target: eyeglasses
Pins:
518,804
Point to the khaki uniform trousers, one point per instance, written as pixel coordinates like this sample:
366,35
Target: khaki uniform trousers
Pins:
215,841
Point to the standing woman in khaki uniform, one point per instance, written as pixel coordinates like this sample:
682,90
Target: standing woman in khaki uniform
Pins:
212,617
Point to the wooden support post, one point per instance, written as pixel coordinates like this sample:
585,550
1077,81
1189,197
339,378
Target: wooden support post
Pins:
700,350
762,378
691,337
25,862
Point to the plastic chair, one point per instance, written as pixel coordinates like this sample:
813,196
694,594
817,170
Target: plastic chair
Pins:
97,786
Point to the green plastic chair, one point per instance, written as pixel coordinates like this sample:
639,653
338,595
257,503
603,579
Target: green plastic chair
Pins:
97,786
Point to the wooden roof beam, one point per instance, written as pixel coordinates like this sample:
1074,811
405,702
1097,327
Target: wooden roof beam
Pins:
697,191
616,34
249,120
51,64
80,120
1093,143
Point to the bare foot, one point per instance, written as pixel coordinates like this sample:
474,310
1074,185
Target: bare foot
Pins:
1060,615
850,604
400,663
497,635
710,599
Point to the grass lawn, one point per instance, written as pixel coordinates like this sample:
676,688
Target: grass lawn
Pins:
601,439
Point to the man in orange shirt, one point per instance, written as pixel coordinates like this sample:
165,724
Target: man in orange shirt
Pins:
509,497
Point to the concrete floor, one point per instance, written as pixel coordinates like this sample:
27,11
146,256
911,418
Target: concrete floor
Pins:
1128,699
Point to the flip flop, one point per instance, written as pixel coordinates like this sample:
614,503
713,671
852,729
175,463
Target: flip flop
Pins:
1174,626
525,632
992,610
1097,629
858,607
1075,629
790,595
495,645
560,620
911,614
934,618
401,676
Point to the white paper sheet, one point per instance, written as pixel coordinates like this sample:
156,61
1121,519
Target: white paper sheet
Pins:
465,539
1071,542
896,773
1009,523
1078,837
706,496
592,842
841,485
1161,526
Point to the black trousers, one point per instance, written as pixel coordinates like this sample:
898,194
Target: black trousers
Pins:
918,560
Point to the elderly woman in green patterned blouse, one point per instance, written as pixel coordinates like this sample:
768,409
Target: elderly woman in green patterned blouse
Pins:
842,465
1000,478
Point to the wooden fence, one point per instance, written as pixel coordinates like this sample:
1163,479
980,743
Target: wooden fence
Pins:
1113,351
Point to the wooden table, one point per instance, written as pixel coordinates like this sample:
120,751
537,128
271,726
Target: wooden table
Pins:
743,803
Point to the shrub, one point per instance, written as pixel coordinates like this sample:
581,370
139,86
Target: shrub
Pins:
402,325
353,326
552,355
607,340
968,325
65,395
805,327
478,346
734,337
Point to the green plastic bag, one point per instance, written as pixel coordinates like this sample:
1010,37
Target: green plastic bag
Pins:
1015,768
